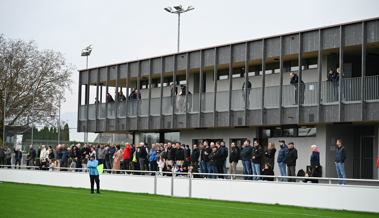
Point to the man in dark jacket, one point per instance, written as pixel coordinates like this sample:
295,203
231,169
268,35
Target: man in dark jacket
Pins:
213,156
31,156
204,158
340,161
315,170
195,157
170,155
220,159
179,155
246,154
64,157
17,157
291,161
333,84
233,158
257,153
225,156
294,80
282,156
141,155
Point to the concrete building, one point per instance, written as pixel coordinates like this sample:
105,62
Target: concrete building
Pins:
214,105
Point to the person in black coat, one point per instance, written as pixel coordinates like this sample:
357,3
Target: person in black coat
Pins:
195,157
270,155
246,154
220,159
233,158
257,153
17,157
268,171
179,155
294,80
213,156
291,161
170,154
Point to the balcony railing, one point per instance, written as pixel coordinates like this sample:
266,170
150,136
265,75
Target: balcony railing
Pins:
309,94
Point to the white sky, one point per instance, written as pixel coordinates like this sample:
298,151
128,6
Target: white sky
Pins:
126,30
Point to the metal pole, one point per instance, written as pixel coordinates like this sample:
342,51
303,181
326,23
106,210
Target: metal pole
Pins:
32,140
5,106
59,121
86,133
178,30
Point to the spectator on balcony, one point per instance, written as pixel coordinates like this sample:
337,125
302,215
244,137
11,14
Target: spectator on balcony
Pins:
121,97
257,153
340,161
109,98
234,158
294,80
246,155
315,169
179,155
291,160
127,157
153,158
117,158
246,93
17,157
170,154
282,158
195,157
101,152
30,156
270,155
333,79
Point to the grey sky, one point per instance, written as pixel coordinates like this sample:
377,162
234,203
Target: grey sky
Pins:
127,30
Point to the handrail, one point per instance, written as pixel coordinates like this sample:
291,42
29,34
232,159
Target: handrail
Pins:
191,175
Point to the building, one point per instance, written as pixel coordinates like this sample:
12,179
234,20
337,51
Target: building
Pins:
214,105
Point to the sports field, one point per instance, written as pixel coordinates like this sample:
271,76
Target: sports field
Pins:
25,200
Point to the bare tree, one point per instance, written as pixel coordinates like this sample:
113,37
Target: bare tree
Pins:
32,77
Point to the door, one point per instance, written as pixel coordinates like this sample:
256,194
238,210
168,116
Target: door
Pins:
367,162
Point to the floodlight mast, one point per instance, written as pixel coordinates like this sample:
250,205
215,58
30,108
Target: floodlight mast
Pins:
86,52
178,10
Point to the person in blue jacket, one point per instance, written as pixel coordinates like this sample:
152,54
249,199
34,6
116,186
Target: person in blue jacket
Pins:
246,155
93,174
282,159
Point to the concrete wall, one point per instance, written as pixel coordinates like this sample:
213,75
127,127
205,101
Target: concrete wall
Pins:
357,198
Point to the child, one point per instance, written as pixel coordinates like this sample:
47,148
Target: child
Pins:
267,171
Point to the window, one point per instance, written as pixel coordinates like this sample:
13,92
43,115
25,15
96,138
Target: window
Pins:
289,131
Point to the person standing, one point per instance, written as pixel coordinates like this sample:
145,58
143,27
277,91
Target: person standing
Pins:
64,157
257,152
117,158
225,156
204,160
2,156
101,152
291,161
340,161
127,157
153,158
246,155
246,93
282,156
141,156
8,155
270,155
233,158
94,174
315,170
195,157
213,162
110,152
31,156
333,84
17,157
294,80
170,155
179,155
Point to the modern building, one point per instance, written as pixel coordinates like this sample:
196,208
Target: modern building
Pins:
215,105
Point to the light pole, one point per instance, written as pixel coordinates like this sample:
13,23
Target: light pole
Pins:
86,52
178,10
5,107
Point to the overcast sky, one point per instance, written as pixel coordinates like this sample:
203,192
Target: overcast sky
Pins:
126,30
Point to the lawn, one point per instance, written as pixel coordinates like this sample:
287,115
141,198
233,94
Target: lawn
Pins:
25,200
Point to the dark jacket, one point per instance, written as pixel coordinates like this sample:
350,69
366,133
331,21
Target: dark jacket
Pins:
234,154
179,154
111,152
195,155
133,96
64,154
257,151
32,153
315,158
340,155
267,172
225,152
291,157
246,153
270,156
204,157
282,156
171,153
142,153
17,155
334,77
213,156
220,156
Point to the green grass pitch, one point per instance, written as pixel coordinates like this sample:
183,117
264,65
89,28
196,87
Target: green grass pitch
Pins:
26,200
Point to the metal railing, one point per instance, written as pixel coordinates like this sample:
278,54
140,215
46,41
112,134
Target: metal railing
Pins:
219,176
309,93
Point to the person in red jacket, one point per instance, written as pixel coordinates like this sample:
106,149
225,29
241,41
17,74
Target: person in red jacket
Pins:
126,157
377,165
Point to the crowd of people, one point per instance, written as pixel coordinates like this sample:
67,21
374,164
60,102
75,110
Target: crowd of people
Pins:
208,157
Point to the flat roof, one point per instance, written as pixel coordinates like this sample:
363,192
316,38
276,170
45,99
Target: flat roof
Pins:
238,42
